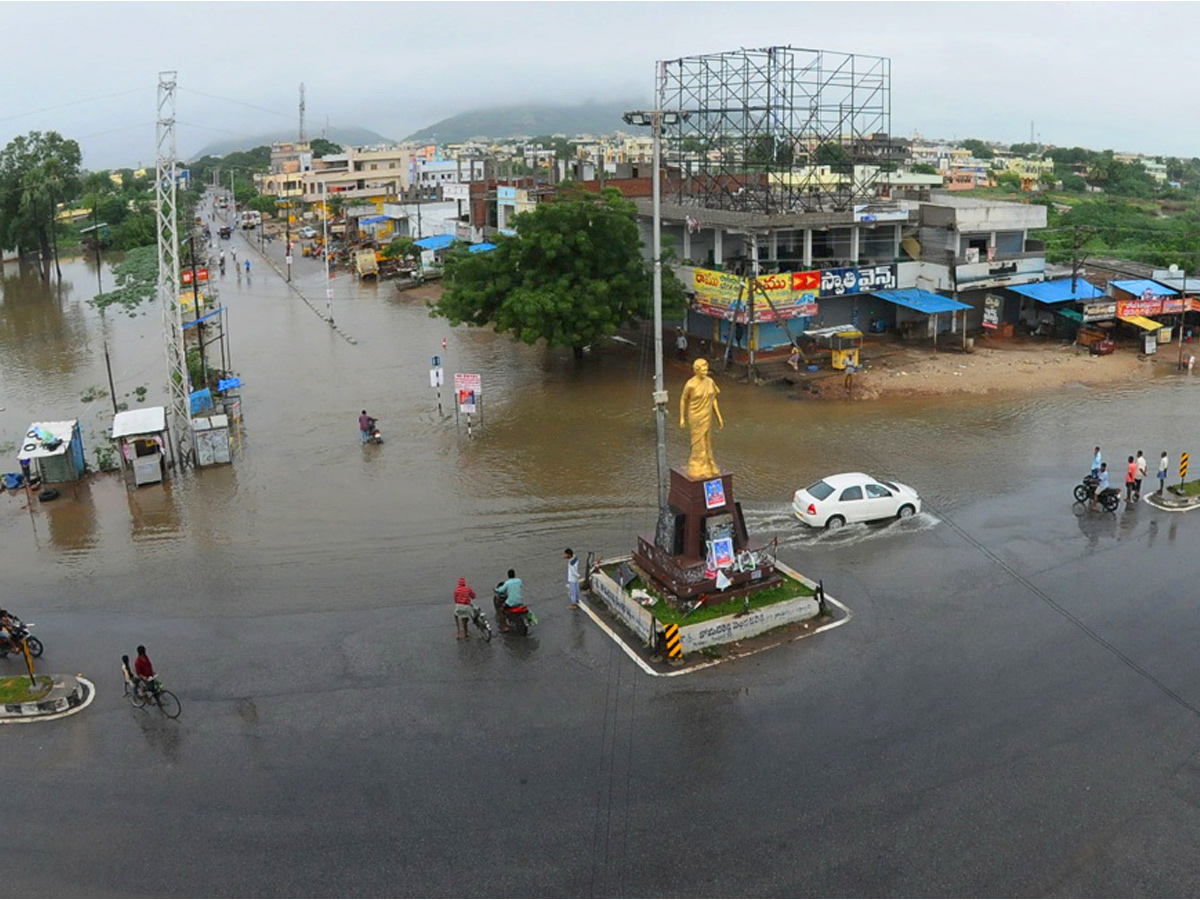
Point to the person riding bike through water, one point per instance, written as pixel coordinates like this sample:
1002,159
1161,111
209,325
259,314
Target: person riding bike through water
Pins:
143,669
510,592
1101,484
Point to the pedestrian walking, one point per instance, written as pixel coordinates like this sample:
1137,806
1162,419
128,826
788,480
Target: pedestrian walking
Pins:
463,608
1141,474
1096,462
1163,465
1130,479
572,578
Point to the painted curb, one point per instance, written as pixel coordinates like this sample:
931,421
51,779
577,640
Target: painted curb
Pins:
687,670
48,717
1172,505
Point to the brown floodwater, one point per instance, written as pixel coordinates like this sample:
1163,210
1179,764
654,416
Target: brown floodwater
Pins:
308,519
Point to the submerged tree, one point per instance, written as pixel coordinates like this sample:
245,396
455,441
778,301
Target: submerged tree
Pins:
572,274
37,172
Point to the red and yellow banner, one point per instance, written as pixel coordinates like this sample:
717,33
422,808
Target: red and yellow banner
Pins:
782,295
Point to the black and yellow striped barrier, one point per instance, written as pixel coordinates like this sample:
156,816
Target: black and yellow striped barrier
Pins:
674,641
1183,461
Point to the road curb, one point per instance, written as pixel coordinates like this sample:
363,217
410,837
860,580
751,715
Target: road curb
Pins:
1172,505
75,700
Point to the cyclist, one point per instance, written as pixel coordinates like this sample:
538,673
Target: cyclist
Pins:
143,669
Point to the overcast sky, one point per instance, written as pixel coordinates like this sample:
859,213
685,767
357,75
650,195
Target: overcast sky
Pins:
1119,75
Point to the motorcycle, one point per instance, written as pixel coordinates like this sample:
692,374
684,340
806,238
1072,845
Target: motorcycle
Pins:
20,632
373,434
519,617
1110,498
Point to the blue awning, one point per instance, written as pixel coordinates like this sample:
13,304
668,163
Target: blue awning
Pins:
481,248
1058,291
372,220
437,242
195,322
1141,285
922,301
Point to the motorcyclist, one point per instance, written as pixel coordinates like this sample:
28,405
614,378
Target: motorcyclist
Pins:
6,628
510,594
1101,483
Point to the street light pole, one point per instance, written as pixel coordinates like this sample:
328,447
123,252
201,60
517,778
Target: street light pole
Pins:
325,250
655,119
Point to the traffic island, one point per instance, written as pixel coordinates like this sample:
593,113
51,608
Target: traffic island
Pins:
668,636
1177,497
45,697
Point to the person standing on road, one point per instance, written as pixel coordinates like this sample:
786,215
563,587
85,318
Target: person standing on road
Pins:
364,427
1130,479
1096,462
1141,474
1163,465
463,608
572,578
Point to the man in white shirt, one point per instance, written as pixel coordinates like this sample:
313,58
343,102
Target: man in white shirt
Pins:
572,577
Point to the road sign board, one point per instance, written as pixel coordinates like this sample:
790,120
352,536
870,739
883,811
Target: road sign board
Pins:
1183,463
466,401
466,382
435,361
435,376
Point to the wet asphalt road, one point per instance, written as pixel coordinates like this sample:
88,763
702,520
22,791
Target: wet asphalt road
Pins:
1013,709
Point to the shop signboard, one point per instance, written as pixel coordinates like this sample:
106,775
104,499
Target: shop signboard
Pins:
1172,305
857,280
991,311
872,213
1143,307
783,295
1102,311
991,274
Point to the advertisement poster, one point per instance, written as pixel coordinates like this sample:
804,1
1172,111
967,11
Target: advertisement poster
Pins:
991,311
714,493
720,553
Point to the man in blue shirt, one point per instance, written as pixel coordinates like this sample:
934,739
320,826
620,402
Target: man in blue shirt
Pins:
1096,463
510,592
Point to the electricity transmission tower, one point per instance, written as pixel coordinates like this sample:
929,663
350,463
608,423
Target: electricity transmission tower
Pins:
167,221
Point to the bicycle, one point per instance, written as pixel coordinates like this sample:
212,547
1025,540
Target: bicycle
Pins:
481,622
168,704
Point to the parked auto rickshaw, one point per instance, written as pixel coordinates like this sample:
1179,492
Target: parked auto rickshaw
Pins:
844,348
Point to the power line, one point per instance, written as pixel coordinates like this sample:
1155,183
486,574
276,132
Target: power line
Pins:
34,112
273,112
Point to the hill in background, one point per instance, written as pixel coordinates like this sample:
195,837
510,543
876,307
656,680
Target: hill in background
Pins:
527,120
353,137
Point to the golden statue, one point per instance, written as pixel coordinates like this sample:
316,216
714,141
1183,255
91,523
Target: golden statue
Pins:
697,406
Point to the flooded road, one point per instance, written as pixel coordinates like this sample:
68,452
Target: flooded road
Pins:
1013,708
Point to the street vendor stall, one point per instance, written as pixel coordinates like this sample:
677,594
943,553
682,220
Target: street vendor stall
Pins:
56,449
142,433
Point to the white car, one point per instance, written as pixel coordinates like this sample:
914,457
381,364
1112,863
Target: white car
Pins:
307,232
853,497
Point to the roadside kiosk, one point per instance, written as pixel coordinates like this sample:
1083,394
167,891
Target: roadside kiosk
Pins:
142,433
56,449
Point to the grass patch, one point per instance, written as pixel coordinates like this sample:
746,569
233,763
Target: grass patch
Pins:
18,690
1187,489
788,589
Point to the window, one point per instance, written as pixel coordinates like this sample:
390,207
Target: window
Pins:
820,490
851,493
878,492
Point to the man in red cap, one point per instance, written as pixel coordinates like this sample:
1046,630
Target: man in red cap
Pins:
463,607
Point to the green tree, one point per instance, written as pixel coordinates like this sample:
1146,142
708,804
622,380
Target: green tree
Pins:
321,147
403,248
572,274
767,150
1024,149
37,172
978,148
923,169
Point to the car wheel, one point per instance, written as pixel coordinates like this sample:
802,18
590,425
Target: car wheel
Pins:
906,511
833,523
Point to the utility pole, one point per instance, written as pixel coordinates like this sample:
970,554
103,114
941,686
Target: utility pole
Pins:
112,391
325,251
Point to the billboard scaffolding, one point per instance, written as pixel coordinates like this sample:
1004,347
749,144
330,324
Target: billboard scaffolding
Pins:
776,130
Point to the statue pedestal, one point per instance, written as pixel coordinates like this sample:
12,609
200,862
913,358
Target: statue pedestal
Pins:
700,510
